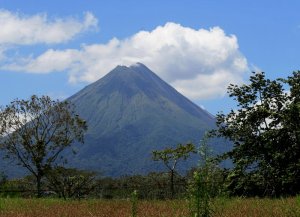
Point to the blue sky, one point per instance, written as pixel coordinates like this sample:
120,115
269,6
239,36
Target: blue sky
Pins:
198,46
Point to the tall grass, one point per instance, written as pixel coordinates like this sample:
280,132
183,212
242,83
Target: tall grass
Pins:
234,207
97,208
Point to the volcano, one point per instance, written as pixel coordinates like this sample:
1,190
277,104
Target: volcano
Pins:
130,112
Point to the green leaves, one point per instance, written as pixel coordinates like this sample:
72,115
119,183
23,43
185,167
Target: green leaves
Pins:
169,155
36,131
265,130
70,182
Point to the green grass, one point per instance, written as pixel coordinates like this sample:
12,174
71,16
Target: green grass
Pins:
235,207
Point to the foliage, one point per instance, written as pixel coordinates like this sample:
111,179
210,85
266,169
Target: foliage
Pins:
171,156
22,187
36,131
265,130
70,182
134,201
153,186
205,184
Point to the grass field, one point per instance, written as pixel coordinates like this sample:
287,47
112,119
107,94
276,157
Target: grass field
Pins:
236,207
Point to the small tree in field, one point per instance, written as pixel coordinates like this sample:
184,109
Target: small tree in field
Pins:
171,156
70,182
36,131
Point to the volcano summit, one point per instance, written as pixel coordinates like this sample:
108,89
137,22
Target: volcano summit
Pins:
131,112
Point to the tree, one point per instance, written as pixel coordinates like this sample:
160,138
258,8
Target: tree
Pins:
265,131
171,156
70,182
36,131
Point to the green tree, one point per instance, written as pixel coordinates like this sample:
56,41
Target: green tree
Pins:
265,131
70,182
36,131
171,156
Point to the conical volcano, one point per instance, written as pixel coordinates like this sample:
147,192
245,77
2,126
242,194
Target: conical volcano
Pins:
131,112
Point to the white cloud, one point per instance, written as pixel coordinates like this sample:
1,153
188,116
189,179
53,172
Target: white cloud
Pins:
205,86
19,29
50,61
198,63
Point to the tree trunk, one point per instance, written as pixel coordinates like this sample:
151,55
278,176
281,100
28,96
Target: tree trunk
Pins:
38,185
172,184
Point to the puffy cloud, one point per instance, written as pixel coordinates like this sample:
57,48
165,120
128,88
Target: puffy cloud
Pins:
198,63
50,61
19,29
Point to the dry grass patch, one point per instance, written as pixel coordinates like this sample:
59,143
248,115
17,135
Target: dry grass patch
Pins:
236,207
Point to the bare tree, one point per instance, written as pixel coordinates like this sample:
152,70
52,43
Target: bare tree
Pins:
36,131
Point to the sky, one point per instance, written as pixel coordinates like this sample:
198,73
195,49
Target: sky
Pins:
199,47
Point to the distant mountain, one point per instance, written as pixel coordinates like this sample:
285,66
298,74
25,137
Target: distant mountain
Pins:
131,112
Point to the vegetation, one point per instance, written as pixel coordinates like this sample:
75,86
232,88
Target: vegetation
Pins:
134,201
171,156
23,187
235,207
70,182
206,183
36,131
265,131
